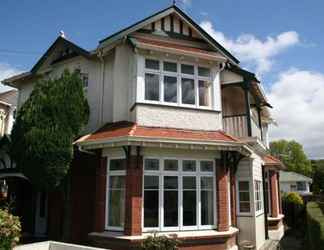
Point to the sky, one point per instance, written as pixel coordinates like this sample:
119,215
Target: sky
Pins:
281,41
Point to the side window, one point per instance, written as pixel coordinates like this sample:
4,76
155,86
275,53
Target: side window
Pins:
244,197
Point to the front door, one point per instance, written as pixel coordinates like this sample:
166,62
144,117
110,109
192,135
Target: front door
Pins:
41,214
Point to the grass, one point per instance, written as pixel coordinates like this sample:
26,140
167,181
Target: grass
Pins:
315,225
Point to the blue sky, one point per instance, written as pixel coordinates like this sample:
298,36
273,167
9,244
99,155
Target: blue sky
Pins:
280,40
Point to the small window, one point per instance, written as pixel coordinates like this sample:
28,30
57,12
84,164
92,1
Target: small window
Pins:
117,165
187,69
206,166
202,71
152,87
244,196
204,93
170,66
258,196
170,89
171,165
188,166
301,186
188,91
151,165
85,80
152,64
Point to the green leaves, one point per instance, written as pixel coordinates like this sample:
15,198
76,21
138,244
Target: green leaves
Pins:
10,229
46,126
292,154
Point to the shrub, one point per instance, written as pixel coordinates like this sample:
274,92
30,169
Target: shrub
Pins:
315,226
156,242
293,198
10,229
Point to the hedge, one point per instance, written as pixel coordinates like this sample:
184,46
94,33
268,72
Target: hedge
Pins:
315,226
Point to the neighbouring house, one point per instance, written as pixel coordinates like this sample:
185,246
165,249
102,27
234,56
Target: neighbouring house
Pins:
8,103
295,182
177,140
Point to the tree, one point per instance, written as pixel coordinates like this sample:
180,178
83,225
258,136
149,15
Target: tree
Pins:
45,128
292,154
318,176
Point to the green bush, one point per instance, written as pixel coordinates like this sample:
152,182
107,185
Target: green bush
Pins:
156,242
10,230
315,226
293,198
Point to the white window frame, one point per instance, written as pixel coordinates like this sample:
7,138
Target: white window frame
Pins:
180,174
179,76
258,183
238,197
109,174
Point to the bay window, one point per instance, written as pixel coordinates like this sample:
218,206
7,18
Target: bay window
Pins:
179,194
116,194
176,83
258,195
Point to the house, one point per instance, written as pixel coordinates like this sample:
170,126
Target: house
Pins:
176,142
295,182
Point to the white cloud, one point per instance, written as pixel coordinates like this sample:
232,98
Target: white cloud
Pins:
298,100
6,71
185,3
253,51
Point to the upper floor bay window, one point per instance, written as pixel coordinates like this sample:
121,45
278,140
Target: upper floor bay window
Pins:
174,83
178,194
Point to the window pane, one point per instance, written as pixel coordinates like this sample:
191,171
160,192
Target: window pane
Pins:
189,182
244,196
188,91
152,87
116,182
187,69
171,165
151,182
151,201
152,64
204,93
243,185
207,207
170,182
151,164
206,166
206,182
189,208
244,207
170,89
202,71
116,208
117,164
170,201
170,66
188,166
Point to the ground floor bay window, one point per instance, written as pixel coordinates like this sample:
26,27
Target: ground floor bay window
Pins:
179,194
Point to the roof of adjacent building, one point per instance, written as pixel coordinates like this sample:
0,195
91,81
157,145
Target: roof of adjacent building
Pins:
286,176
271,161
9,97
125,128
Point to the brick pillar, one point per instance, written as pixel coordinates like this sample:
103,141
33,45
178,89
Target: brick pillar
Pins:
100,195
274,194
222,196
233,198
279,194
133,206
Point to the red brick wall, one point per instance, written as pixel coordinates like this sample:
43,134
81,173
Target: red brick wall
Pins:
133,207
222,196
274,193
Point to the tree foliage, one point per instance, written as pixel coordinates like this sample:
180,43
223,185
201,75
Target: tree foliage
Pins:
292,154
10,229
318,176
46,126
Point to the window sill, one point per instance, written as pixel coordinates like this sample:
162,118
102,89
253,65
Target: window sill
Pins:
184,235
174,106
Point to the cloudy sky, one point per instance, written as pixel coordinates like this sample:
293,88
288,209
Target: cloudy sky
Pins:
281,41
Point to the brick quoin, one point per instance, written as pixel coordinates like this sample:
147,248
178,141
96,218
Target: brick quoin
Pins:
222,196
100,195
133,206
274,194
